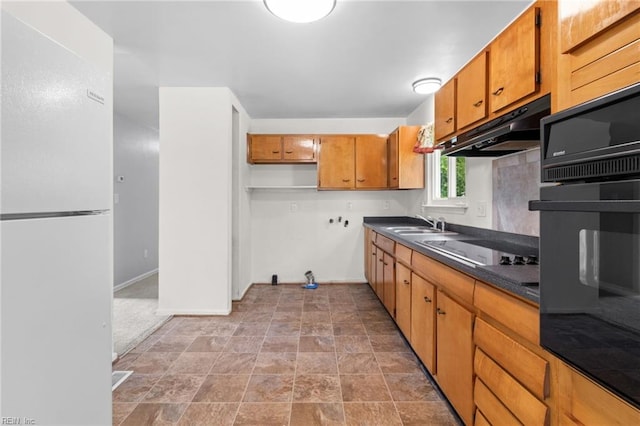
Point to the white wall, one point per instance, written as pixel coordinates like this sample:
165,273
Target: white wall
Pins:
65,25
290,229
136,152
195,200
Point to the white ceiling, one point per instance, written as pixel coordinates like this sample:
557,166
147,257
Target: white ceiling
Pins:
359,61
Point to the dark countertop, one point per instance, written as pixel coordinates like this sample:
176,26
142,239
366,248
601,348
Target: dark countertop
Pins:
520,280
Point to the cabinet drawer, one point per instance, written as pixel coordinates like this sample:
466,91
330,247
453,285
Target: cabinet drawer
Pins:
525,407
385,243
490,409
403,254
514,313
527,367
480,419
453,282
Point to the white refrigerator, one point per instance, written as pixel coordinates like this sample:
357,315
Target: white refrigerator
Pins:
55,233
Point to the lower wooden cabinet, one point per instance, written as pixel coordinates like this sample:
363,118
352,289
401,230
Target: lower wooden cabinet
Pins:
423,321
389,283
379,281
454,354
403,299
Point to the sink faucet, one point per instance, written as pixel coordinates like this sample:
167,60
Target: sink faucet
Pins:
441,221
431,221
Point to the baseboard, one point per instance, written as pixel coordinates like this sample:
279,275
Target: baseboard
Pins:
243,293
192,312
134,280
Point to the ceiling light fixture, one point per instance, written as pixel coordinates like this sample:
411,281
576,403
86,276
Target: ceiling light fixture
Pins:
426,86
300,11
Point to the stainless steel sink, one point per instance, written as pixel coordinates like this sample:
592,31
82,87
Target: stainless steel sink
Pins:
426,232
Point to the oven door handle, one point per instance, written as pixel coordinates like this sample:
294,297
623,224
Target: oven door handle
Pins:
603,206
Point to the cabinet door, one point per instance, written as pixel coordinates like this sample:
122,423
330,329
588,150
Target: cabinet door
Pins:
445,99
472,92
514,62
403,299
393,159
455,355
423,302
379,285
368,247
298,149
336,163
389,283
266,148
371,162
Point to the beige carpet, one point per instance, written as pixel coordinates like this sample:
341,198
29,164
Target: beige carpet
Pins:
134,314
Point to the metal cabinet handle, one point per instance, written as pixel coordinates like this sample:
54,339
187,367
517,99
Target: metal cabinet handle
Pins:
427,299
346,180
477,104
380,260
449,120
440,311
405,281
385,263
498,92
373,254
275,152
288,152
394,178
360,180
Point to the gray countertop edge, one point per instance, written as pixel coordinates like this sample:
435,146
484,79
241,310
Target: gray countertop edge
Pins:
528,292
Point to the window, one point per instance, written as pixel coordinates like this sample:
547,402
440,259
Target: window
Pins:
449,176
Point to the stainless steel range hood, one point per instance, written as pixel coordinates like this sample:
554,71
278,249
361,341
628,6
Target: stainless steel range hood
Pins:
515,131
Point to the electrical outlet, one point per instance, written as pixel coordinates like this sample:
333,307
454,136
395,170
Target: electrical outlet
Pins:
293,207
386,205
481,209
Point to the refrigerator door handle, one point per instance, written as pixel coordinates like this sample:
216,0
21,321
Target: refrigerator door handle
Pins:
48,215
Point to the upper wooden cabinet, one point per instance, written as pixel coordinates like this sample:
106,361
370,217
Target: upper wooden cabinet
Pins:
471,98
352,162
445,99
514,61
600,49
406,168
275,149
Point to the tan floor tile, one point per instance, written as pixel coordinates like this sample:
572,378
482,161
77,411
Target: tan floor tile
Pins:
378,314
263,414
323,316
264,317
398,362
431,413
316,329
316,363
287,316
388,343
348,317
371,414
208,344
194,363
172,343
269,388
317,344
146,344
353,344
289,329
410,387
243,344
154,362
315,307
317,413
359,387
222,388
234,363
381,327
135,387
275,363
357,363
317,388
124,362
154,414
208,414
220,329
174,388
349,329
280,344
120,410
251,329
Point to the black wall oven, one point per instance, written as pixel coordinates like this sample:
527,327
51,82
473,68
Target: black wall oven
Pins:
590,240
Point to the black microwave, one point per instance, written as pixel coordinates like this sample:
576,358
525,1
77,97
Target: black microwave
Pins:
590,240
595,141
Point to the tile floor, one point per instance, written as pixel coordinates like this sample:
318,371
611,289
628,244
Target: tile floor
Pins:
285,356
